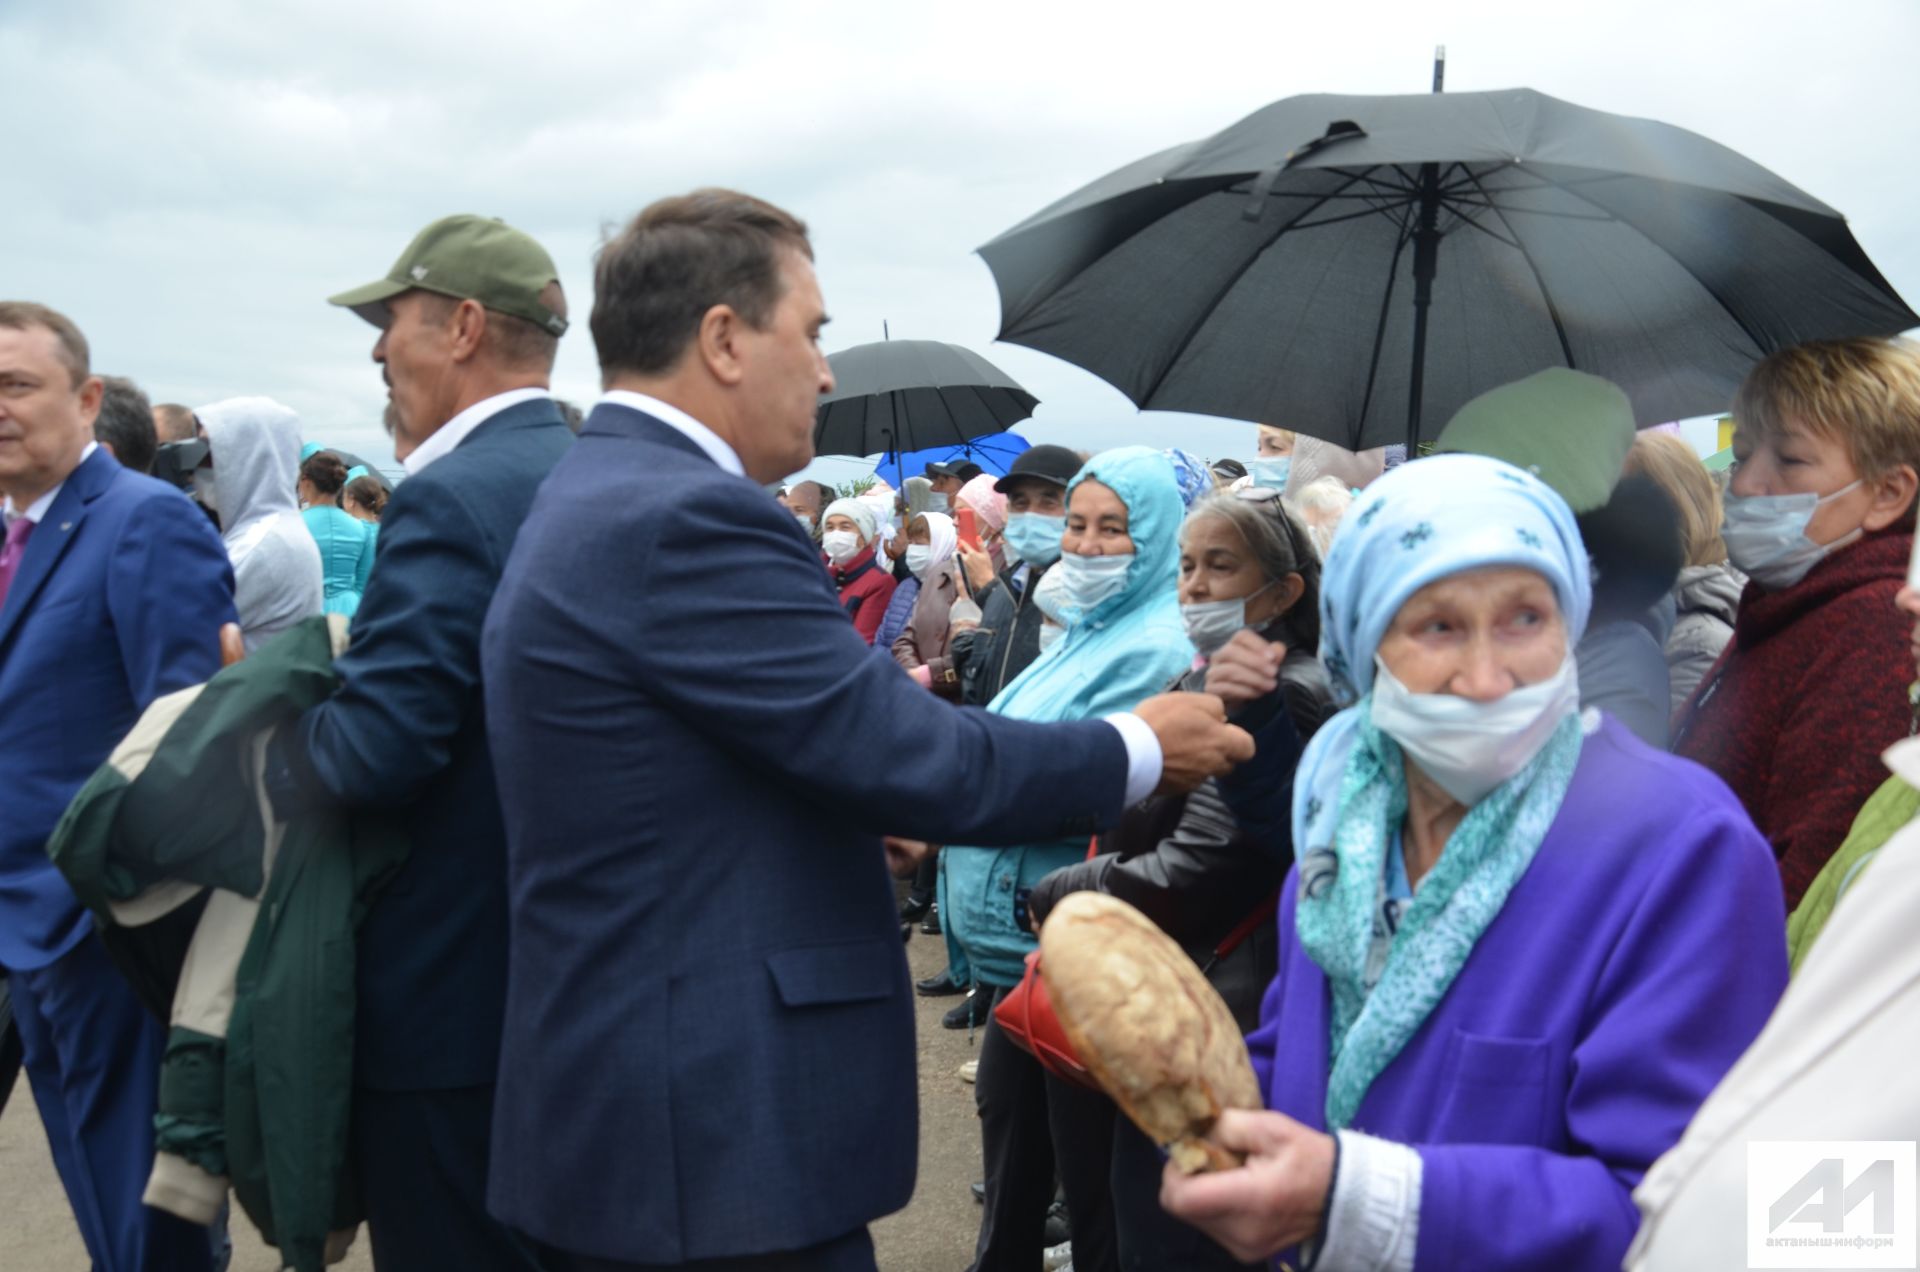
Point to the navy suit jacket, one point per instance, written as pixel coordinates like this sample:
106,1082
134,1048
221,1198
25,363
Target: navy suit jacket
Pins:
406,731
118,600
709,1045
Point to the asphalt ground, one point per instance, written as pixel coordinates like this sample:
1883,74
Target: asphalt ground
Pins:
933,1234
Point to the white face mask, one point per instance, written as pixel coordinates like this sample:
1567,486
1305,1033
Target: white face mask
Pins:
1471,747
206,491
1086,581
1766,535
919,555
841,545
1049,597
937,502
806,522
1211,624
1050,634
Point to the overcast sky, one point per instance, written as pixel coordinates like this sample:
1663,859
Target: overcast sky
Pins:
190,180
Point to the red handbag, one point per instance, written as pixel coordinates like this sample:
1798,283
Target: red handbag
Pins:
1026,1016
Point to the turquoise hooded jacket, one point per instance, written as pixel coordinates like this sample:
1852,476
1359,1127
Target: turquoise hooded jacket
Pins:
1128,648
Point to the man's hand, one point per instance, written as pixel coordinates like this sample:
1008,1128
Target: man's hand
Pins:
233,648
897,546
1196,742
1245,669
1273,1202
905,855
979,566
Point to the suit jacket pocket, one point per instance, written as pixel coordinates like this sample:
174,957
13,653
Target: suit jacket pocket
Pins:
847,972
1495,1092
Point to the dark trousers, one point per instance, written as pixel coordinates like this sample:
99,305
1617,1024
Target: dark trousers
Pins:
851,1253
1024,1113
92,1055
926,878
1150,1239
422,1161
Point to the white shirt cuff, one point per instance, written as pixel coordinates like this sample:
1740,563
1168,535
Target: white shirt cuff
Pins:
1373,1224
1144,759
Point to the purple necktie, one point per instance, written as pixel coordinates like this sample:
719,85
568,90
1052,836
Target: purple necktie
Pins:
16,547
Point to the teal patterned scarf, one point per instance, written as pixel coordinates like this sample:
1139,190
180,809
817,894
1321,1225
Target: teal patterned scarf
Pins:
1387,982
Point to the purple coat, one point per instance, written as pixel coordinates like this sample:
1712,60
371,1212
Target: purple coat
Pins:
1631,965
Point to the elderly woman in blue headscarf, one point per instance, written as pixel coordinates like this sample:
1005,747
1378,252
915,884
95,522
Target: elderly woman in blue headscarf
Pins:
1520,946
1118,579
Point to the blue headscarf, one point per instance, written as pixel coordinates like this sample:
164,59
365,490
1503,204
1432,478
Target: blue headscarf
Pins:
1191,474
1131,645
1420,523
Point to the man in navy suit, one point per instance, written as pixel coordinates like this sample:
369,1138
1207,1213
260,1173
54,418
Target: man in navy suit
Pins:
709,1054
470,319
113,590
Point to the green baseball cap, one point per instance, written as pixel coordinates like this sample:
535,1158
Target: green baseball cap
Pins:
468,258
1570,429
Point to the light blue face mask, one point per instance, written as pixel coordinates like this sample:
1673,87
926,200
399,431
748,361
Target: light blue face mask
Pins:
1087,581
1035,536
1766,535
1270,473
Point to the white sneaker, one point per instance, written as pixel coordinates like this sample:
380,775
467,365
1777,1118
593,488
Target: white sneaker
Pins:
1059,1258
969,1071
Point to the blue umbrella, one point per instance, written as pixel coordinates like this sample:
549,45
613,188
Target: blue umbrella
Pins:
994,453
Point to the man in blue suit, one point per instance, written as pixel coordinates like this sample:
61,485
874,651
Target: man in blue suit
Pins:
113,590
709,1054
470,319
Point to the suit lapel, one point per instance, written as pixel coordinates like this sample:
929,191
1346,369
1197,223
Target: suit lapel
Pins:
52,536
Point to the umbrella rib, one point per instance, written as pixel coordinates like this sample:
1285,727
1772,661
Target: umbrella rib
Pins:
1206,311
1471,223
1758,344
1546,293
1380,326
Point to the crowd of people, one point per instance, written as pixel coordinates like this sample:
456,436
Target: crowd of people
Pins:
571,797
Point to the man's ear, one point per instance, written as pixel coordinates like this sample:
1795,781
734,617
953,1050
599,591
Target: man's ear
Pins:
91,394
718,341
1893,493
466,330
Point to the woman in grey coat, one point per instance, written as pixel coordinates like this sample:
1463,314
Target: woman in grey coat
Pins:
1707,594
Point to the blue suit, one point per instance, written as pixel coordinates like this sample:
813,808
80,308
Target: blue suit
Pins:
709,1048
406,731
118,600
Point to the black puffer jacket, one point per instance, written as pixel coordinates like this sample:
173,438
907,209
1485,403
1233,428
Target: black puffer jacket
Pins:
988,657
1184,863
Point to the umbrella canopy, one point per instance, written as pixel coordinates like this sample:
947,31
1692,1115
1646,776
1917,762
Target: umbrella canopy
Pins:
897,396
994,453
1356,268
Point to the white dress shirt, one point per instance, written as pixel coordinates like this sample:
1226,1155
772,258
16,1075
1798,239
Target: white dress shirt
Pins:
455,430
38,508
1144,758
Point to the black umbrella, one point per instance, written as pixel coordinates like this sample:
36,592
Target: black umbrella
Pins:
908,395
1358,267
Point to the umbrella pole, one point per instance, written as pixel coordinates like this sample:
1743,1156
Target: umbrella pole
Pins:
1426,248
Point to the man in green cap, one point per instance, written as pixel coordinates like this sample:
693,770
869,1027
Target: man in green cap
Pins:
470,318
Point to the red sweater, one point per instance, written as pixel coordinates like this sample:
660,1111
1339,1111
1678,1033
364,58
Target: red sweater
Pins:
865,589
1810,690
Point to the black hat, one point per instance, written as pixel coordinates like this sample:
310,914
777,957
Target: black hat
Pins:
1231,469
964,470
1055,464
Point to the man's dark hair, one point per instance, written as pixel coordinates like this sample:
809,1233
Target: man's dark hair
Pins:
125,423
21,315
174,422
656,279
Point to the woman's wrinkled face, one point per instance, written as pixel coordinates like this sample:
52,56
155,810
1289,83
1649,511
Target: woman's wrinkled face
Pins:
1096,522
1478,635
1217,565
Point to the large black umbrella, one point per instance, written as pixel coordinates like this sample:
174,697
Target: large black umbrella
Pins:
1358,267
895,396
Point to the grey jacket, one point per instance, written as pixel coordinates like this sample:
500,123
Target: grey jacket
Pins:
255,446
1708,597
